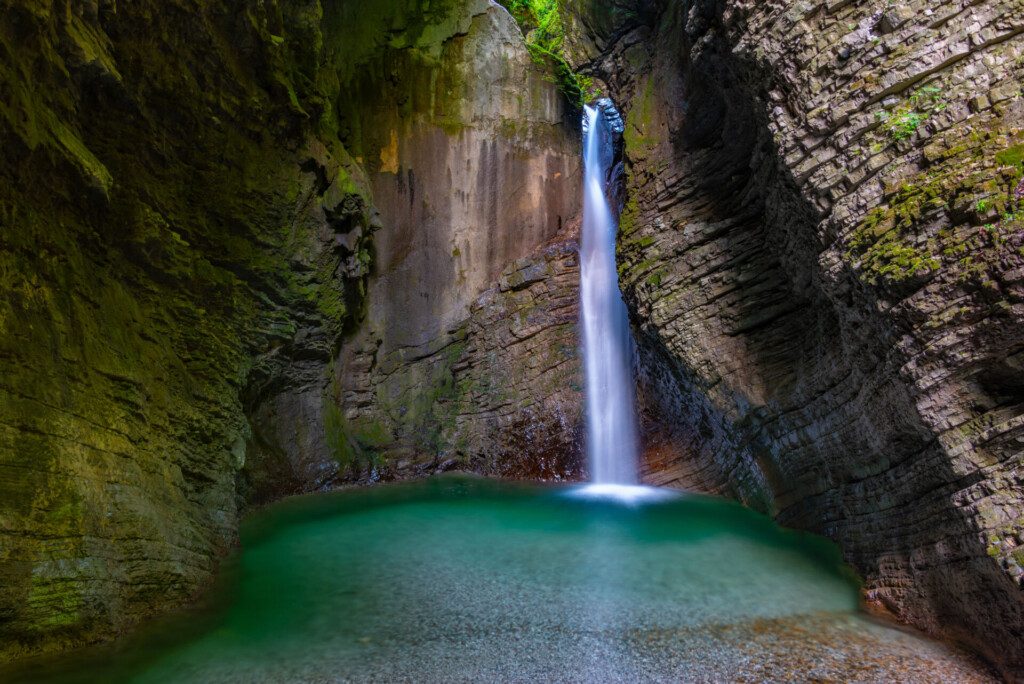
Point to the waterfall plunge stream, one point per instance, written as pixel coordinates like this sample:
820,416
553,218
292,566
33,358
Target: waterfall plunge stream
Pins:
607,343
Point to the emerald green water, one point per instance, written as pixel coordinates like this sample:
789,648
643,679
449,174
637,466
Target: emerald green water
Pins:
458,579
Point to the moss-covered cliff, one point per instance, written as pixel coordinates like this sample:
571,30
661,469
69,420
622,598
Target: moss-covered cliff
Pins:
166,171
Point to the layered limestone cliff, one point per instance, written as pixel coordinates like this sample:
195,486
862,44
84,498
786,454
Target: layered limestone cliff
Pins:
156,185
823,251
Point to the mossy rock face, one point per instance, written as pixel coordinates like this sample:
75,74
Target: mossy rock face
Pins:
823,254
499,394
473,157
960,218
164,239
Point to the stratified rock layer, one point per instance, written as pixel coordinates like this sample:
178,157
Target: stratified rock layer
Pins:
154,186
499,393
823,251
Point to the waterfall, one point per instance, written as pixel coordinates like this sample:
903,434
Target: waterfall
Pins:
607,342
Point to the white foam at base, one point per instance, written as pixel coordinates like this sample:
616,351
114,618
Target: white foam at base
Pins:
627,494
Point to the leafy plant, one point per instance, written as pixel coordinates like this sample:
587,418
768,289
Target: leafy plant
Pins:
902,123
1013,156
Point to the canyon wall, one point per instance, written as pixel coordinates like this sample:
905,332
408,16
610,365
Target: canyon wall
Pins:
467,355
154,190
201,204
257,248
823,252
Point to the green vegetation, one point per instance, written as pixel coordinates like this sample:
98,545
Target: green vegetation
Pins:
541,22
903,122
149,260
890,257
655,278
419,405
357,445
1014,216
630,216
638,134
882,243
1013,156
894,243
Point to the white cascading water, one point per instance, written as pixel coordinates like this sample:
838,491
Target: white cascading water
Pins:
607,342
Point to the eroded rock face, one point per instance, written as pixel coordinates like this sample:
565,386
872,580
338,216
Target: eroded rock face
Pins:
249,250
499,393
467,357
189,197
822,249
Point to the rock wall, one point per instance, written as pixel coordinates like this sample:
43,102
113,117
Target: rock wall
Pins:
253,248
823,252
498,393
194,199
471,156
160,235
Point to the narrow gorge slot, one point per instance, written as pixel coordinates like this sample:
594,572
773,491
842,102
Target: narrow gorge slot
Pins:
511,340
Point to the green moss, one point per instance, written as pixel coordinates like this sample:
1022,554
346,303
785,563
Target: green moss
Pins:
336,431
898,241
638,137
86,160
542,23
1013,156
135,317
630,216
419,403
355,445
58,602
892,260
655,278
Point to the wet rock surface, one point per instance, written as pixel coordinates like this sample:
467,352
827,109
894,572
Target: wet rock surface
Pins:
465,354
253,250
499,394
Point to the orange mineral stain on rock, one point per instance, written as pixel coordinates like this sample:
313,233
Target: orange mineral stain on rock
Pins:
389,155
